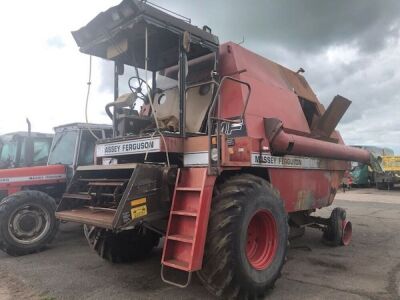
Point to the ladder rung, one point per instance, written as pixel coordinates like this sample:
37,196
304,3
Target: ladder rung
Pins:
176,263
181,238
77,196
184,213
188,189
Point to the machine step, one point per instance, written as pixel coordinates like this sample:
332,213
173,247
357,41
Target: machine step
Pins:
99,217
77,196
190,189
176,263
103,180
106,183
184,213
181,238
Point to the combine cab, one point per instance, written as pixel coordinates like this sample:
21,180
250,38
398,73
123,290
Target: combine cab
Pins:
216,148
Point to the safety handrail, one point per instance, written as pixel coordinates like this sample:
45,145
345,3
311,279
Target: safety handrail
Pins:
210,119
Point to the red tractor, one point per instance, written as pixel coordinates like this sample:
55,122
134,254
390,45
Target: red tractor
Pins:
31,189
24,149
227,151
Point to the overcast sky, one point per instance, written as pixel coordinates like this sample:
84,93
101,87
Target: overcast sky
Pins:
347,47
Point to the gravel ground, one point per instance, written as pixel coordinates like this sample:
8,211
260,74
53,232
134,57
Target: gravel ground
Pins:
367,269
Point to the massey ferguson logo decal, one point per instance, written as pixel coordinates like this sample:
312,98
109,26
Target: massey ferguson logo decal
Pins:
129,147
289,161
233,129
32,178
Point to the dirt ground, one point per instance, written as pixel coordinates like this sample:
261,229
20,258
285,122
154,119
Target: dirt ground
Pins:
367,269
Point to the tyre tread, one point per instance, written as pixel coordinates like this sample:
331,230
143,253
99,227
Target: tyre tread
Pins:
8,204
229,199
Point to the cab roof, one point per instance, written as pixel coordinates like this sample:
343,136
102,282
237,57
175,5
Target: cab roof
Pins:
76,126
25,134
122,28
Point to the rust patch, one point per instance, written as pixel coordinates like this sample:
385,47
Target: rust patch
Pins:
305,200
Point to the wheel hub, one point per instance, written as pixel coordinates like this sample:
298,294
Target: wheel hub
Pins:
347,232
29,224
262,239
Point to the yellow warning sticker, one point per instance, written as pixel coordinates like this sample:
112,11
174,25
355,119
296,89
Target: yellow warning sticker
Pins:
138,211
138,201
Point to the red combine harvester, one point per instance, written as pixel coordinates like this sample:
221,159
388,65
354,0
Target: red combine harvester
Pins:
30,190
228,151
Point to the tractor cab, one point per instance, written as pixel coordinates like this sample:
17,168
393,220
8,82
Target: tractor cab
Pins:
174,80
73,144
24,149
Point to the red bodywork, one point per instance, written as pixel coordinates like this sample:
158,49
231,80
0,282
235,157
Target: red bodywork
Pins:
302,163
15,180
275,93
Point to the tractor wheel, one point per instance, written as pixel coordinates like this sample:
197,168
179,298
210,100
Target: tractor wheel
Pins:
246,240
125,246
27,222
339,230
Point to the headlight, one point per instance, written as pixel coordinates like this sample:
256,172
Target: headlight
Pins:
214,154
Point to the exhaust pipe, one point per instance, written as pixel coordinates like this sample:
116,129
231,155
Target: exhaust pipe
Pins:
29,126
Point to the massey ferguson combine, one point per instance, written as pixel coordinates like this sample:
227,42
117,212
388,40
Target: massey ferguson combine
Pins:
227,151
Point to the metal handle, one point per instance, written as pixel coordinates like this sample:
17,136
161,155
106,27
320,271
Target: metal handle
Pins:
210,118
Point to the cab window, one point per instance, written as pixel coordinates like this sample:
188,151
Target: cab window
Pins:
86,151
9,151
41,149
63,148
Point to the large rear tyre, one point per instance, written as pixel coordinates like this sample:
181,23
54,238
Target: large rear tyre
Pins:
246,239
125,246
27,222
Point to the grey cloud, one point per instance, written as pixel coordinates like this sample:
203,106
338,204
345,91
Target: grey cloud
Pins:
302,26
298,34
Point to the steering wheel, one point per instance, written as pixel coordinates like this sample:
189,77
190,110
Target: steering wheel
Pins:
139,90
